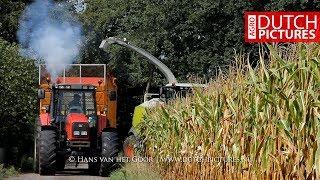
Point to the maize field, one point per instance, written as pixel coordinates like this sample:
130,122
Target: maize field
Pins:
255,122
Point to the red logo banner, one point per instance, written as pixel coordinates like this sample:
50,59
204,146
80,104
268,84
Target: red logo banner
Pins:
282,26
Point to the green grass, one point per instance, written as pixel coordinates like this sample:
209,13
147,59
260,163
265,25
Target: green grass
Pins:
7,172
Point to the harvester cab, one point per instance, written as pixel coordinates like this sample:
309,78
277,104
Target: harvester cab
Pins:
77,118
174,90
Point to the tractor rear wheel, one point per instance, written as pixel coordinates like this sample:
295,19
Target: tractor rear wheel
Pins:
110,149
47,152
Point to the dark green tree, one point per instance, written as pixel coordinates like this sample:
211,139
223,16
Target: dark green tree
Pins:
17,98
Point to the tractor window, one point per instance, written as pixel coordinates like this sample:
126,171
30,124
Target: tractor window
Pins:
75,102
89,103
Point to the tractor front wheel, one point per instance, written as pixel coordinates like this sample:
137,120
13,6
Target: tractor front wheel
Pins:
47,152
110,149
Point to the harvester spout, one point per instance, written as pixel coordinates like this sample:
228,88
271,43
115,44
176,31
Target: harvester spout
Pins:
162,67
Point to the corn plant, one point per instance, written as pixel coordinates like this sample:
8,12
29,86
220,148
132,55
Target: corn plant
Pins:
255,122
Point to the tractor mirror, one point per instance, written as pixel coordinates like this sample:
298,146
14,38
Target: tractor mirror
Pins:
41,94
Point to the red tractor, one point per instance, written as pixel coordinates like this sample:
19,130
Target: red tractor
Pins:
77,119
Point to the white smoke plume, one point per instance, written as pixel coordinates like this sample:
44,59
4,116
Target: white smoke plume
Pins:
49,32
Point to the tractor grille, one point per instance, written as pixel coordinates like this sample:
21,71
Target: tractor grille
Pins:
80,130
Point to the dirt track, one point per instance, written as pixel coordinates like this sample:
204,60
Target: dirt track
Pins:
70,173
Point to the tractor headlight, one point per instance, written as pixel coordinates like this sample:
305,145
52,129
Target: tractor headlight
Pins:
80,129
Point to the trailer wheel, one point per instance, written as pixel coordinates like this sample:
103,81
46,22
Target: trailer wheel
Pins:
110,149
47,152
129,146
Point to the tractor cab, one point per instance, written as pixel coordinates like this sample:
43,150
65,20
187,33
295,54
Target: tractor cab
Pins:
73,99
74,107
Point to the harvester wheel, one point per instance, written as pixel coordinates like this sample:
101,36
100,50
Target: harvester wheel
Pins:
110,149
130,146
47,152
